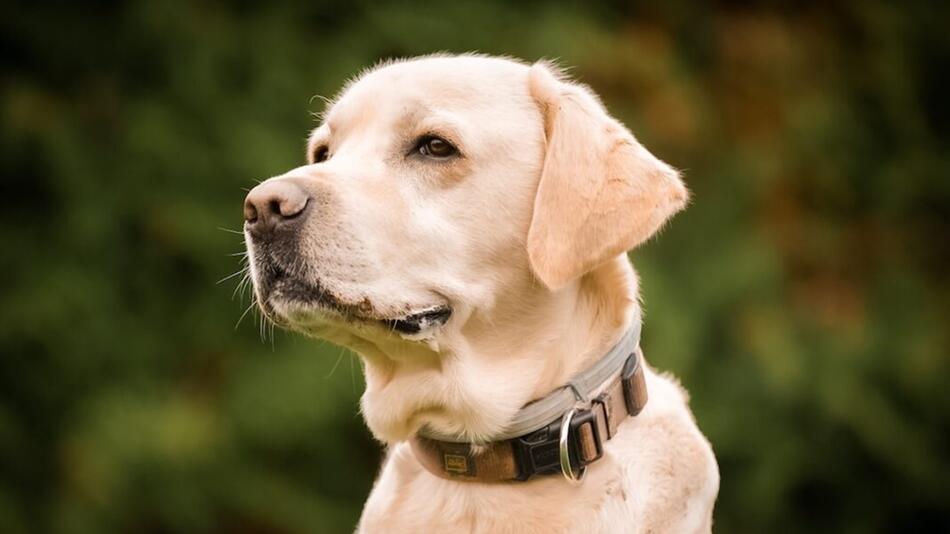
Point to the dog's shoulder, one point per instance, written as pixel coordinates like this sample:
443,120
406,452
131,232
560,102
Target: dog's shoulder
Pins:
668,462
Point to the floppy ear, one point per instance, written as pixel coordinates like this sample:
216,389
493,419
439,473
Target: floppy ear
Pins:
601,193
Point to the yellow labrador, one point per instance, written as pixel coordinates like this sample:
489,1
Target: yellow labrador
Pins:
462,224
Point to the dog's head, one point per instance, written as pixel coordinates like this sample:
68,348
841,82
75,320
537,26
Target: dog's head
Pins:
448,210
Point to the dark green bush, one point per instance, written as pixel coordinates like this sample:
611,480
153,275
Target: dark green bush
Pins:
802,298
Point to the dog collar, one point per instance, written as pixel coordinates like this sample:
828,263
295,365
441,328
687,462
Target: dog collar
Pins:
562,432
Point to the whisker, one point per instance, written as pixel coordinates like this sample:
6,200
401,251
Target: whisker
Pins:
242,285
243,315
260,327
232,275
338,360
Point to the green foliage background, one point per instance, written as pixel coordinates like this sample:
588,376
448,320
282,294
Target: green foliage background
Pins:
802,299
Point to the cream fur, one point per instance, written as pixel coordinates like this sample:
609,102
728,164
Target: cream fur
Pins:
524,236
601,192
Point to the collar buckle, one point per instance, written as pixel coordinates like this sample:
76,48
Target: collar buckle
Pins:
580,442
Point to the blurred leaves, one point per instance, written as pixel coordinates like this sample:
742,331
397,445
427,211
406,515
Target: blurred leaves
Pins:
802,298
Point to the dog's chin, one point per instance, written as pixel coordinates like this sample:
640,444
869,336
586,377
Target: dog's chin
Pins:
397,413
312,309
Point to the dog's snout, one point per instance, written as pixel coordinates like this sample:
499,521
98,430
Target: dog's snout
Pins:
272,204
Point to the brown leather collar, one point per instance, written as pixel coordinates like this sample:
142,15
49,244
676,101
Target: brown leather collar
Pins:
586,428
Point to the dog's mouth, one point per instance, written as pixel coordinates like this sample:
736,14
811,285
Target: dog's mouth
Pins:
418,322
291,301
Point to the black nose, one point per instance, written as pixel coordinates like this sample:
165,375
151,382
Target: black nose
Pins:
273,204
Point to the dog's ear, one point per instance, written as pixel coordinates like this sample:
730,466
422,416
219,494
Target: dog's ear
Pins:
600,194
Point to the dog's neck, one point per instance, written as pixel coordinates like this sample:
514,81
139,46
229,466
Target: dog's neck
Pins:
606,303
484,372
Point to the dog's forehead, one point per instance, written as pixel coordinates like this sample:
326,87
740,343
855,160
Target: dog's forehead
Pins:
412,88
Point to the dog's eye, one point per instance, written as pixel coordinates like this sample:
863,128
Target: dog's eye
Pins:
321,154
436,147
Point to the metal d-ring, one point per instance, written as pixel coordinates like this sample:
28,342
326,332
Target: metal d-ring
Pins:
566,469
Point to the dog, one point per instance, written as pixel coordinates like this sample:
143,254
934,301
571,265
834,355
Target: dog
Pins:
462,223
